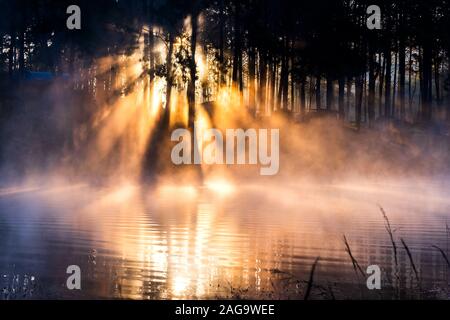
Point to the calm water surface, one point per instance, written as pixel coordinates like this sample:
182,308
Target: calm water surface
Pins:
181,242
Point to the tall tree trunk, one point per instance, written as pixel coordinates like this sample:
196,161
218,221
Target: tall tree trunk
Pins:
273,84
349,95
426,66
285,87
371,96
193,70
11,53
262,81
402,76
437,83
151,44
240,75
292,94
341,105
448,82
410,72
311,93
148,53
318,94
359,88
251,79
280,87
151,50
22,45
169,79
330,93
221,77
387,93
303,96
286,77
237,46
381,86
394,91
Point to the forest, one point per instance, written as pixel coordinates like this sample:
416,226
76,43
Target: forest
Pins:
296,59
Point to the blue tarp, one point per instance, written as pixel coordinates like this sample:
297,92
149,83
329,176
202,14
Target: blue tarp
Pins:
44,76
39,76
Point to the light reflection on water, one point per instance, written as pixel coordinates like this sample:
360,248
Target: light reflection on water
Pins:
220,241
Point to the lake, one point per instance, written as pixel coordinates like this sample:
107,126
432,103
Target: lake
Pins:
225,240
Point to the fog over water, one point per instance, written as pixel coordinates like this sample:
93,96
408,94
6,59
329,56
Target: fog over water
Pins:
235,233
96,191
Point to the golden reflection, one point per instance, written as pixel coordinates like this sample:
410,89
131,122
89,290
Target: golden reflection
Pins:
220,187
182,241
177,246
